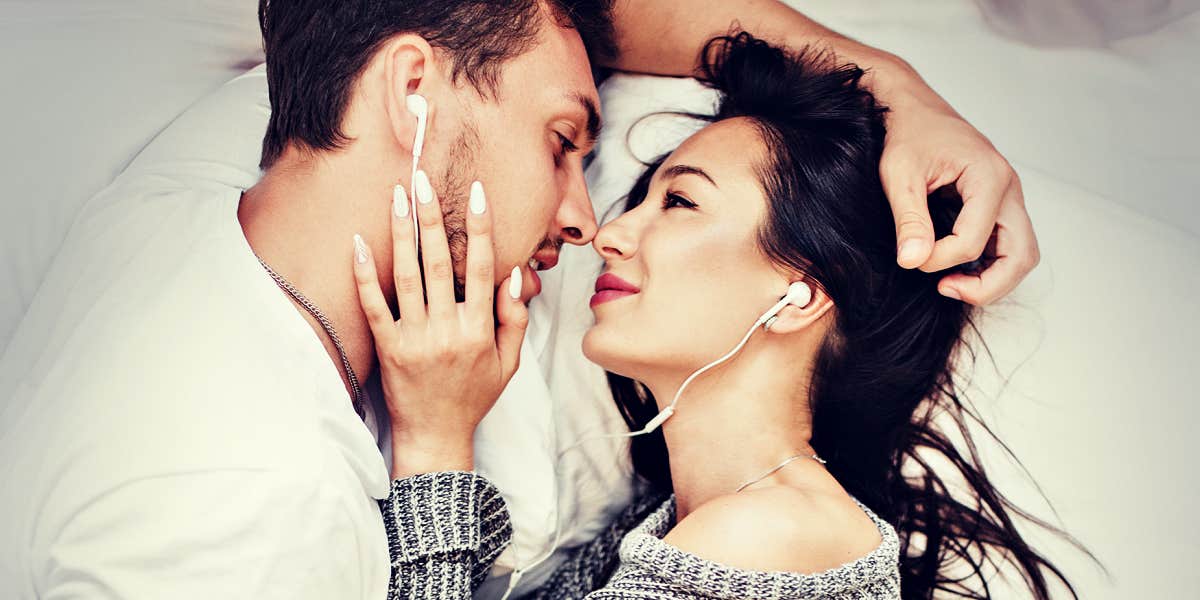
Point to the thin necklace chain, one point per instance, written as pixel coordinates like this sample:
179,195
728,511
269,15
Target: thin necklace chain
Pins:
781,465
355,389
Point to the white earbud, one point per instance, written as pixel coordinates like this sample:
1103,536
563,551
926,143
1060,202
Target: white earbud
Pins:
798,294
419,107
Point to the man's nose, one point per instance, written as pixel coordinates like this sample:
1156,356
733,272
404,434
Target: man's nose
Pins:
576,221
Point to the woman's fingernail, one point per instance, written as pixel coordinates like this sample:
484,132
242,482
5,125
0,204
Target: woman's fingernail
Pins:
399,202
360,249
515,284
951,293
422,188
478,201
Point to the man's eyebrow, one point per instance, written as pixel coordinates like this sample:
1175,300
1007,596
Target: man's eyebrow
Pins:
678,170
593,116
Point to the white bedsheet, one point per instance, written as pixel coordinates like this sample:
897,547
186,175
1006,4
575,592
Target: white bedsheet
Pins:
1098,347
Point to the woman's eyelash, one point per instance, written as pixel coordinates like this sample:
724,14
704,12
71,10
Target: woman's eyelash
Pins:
675,200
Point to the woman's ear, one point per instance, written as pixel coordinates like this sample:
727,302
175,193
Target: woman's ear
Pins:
792,318
408,69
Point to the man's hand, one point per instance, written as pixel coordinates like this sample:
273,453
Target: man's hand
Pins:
929,146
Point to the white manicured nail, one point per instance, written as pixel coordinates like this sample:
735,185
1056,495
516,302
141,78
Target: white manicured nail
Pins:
399,201
422,188
360,249
515,284
478,201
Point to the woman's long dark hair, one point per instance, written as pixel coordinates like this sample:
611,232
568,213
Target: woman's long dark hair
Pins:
885,372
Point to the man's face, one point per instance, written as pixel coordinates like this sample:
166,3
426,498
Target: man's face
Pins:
519,142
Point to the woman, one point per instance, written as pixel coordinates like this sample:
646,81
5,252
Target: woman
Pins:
800,464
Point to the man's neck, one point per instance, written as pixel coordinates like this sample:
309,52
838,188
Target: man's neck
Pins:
300,219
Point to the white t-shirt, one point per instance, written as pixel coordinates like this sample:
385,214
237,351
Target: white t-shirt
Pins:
171,426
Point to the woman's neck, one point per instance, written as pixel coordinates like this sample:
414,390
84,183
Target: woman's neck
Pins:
733,424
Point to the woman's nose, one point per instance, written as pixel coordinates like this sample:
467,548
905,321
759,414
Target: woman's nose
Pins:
615,240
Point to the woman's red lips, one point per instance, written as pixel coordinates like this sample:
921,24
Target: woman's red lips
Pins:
608,281
610,287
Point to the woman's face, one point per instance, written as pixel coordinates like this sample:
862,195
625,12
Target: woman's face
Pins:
684,275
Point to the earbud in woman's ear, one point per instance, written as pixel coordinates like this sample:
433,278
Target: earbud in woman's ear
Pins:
798,294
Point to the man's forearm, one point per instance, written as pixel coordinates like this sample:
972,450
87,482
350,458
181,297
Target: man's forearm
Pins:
664,37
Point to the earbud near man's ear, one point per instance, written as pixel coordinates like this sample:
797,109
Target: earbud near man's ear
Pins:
798,294
419,107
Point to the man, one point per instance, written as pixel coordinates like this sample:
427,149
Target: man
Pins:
181,433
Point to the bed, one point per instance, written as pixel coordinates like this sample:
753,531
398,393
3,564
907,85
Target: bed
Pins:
1090,379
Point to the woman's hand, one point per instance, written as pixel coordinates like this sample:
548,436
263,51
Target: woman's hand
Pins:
444,363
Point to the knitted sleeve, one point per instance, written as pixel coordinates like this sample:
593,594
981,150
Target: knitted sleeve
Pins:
588,567
444,532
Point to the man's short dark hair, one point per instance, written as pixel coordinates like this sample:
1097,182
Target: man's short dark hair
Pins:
317,49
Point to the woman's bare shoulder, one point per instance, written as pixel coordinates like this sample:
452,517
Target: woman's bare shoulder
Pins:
778,529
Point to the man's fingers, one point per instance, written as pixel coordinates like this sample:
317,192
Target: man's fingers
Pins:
513,319
481,269
435,251
994,283
982,191
370,297
1016,252
907,192
406,273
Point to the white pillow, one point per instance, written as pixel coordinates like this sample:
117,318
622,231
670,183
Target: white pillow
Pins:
86,86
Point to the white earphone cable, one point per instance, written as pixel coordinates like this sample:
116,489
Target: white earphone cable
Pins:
419,107
654,423
412,199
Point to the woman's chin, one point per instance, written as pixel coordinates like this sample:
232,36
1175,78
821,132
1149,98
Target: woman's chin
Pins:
610,354
592,349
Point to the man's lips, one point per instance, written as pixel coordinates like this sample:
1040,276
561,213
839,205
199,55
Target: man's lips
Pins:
542,260
610,287
545,259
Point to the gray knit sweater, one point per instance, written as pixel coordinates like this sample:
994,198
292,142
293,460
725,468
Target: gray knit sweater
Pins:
446,529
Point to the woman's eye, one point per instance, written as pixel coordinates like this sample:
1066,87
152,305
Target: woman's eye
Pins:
677,201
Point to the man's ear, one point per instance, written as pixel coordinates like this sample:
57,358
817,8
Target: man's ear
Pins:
792,318
409,68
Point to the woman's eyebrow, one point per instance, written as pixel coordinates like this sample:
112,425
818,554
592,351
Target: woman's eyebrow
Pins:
678,170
